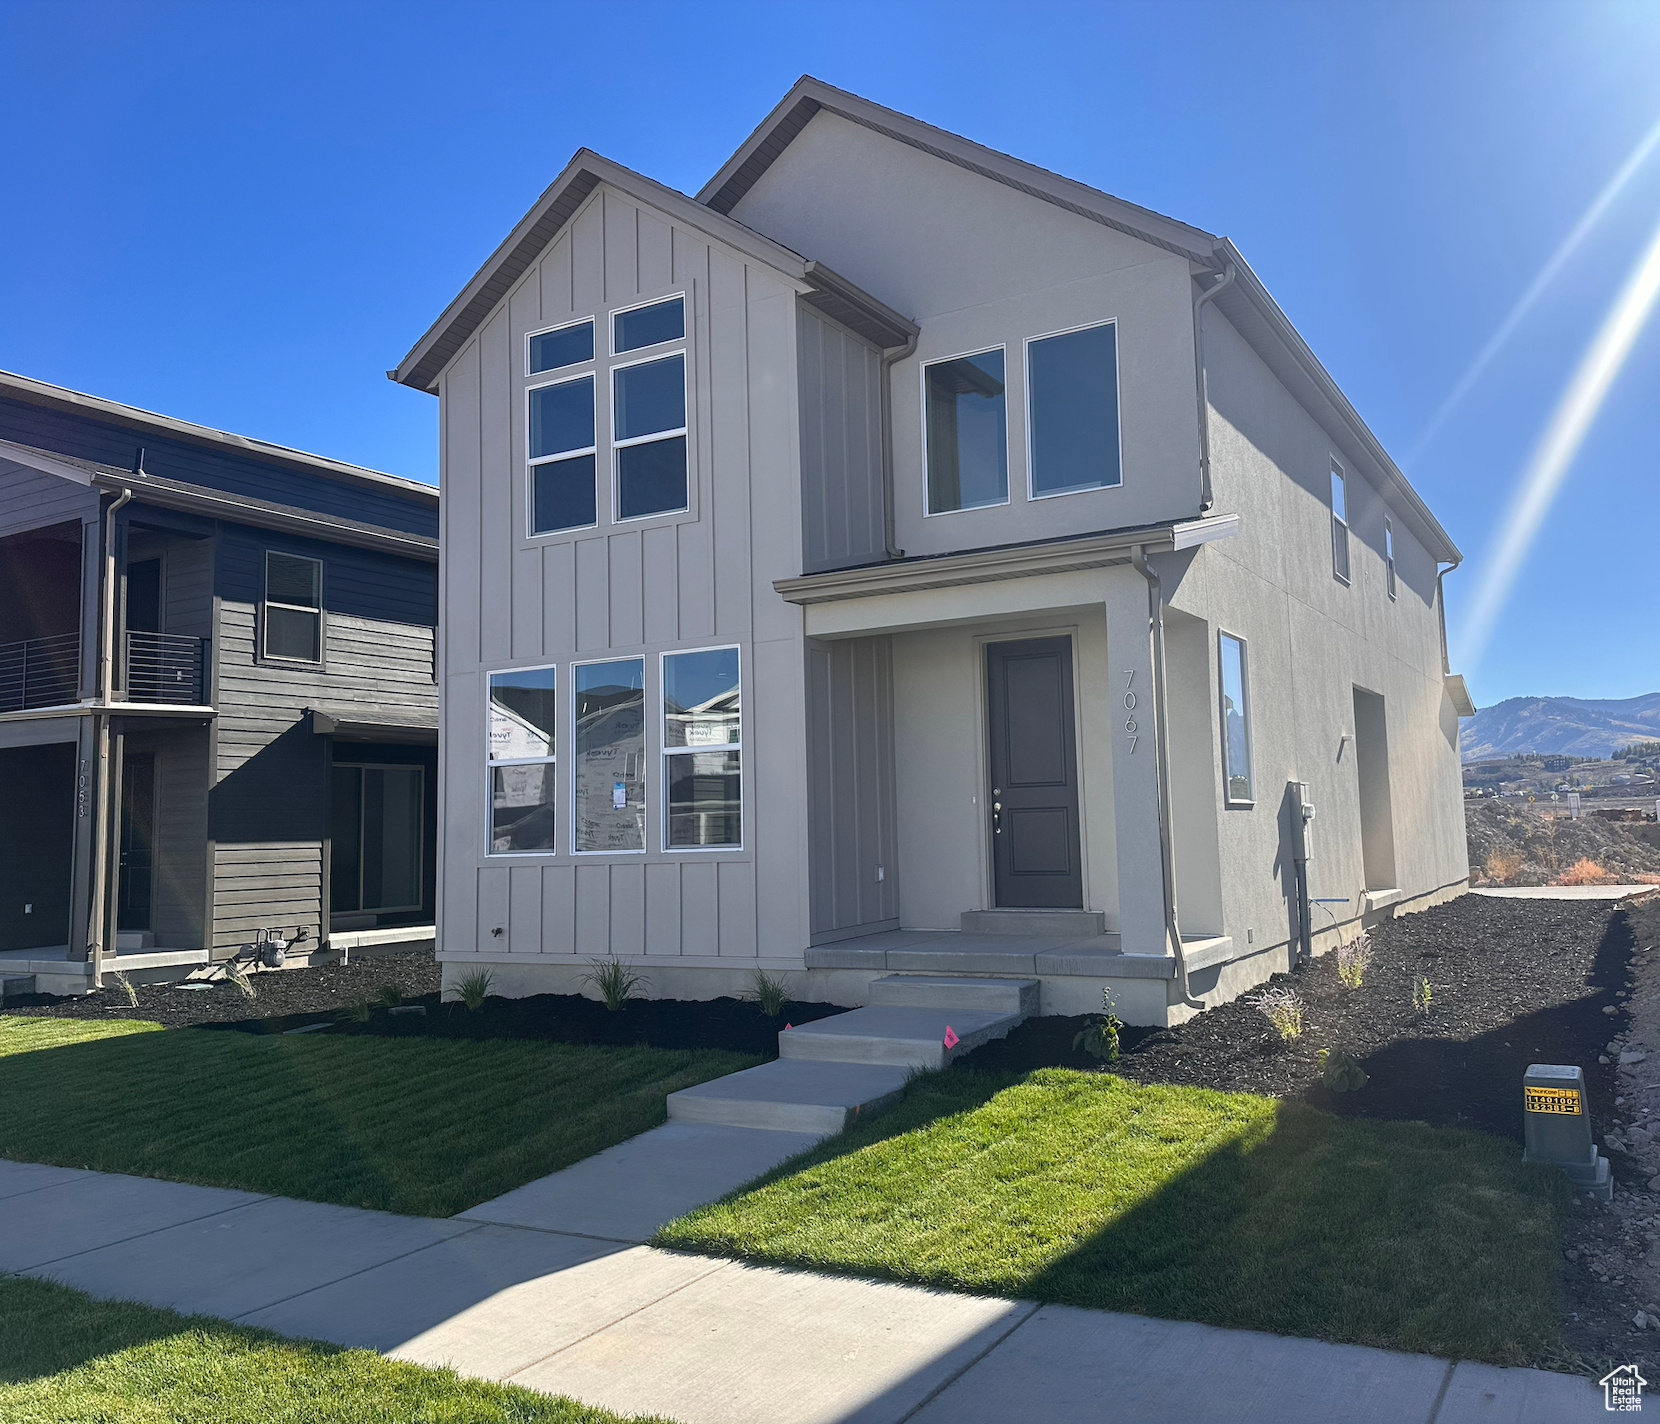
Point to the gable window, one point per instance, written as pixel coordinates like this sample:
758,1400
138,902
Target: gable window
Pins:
1072,405
640,327
561,446
648,416
520,760
967,432
1389,553
1339,523
293,614
563,346
1236,720
702,749
610,726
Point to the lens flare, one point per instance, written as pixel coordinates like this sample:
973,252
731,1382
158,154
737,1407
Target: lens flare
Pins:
1536,289
1554,455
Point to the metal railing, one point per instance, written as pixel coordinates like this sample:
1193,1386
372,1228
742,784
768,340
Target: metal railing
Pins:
40,672
166,667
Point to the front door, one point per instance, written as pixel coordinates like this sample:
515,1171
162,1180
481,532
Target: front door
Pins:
1034,775
138,838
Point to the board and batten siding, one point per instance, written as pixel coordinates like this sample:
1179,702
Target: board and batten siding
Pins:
842,516
270,796
639,588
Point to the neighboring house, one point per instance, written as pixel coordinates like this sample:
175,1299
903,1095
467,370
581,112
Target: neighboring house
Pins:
220,652
903,558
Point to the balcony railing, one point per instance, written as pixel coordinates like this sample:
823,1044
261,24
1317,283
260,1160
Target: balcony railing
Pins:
40,672
166,667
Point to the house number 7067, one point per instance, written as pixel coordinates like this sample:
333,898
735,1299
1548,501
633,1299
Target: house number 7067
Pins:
1129,708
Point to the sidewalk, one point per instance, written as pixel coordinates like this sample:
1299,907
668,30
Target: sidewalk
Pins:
573,1311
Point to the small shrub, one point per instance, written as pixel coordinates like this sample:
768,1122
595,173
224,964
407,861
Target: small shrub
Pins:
1353,959
1423,996
615,982
1585,872
1340,1072
1284,1009
358,1011
1648,878
391,995
125,985
1503,866
1100,1038
769,991
473,988
239,977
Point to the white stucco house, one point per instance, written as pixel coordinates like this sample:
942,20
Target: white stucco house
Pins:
900,558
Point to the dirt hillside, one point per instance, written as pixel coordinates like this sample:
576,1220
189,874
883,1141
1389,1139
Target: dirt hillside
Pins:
1513,843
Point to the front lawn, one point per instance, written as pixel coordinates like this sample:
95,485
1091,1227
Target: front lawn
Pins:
1228,1208
424,1127
68,1359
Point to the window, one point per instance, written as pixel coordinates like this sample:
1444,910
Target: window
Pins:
1339,524
293,608
1072,404
1389,553
967,432
610,790
648,326
648,416
561,446
378,827
1236,720
564,346
521,760
702,760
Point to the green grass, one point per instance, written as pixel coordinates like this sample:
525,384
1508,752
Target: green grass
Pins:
423,1126
67,1359
1226,1208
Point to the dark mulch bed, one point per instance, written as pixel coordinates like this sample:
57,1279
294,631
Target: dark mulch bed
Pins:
1515,982
295,998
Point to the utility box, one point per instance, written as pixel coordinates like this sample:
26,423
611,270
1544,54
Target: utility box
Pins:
1557,1127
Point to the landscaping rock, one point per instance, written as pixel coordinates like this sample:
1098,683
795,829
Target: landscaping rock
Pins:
1630,1056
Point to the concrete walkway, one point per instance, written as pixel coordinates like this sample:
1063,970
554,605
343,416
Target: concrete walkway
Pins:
1564,892
579,1311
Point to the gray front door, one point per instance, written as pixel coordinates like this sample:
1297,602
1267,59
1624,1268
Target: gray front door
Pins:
1034,775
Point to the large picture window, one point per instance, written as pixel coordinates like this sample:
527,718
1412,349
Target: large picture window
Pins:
375,855
648,415
1072,403
1236,720
702,749
523,721
967,432
561,445
609,773
293,615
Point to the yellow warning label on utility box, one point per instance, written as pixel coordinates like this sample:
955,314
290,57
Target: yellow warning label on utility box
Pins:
1552,1100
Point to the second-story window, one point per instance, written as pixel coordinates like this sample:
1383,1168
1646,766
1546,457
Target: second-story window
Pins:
561,445
1389,553
1339,523
293,612
965,402
648,416
1072,411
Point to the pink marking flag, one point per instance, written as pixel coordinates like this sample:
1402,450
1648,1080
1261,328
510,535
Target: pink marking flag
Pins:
951,1039
788,1027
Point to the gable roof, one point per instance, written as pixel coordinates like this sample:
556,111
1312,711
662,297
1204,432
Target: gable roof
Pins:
1245,302
538,228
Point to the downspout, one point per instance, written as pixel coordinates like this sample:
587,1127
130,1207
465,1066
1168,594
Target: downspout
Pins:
97,922
1202,385
1161,767
890,358
1441,612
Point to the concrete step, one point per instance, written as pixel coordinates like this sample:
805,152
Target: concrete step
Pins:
126,940
790,1095
1051,924
908,1037
949,991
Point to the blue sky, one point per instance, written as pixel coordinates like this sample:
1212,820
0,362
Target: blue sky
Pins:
244,214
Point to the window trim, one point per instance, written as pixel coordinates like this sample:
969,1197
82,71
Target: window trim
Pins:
571,374
922,389
566,325
683,431
490,763
1339,522
266,602
1229,800
665,751
611,323
421,839
645,751
1389,556
1118,392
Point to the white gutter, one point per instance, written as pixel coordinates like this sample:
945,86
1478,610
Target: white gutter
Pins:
97,921
890,359
1202,385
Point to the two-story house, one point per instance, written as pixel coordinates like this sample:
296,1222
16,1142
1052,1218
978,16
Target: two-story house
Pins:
218,702
904,559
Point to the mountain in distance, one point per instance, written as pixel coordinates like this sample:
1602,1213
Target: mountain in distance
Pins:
1562,726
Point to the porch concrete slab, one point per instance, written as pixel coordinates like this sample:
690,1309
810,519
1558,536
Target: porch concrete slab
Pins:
242,1260
1091,961
19,1177
1487,1394
626,1192
1066,1363
847,954
758,1345
97,1209
791,1095
887,1033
